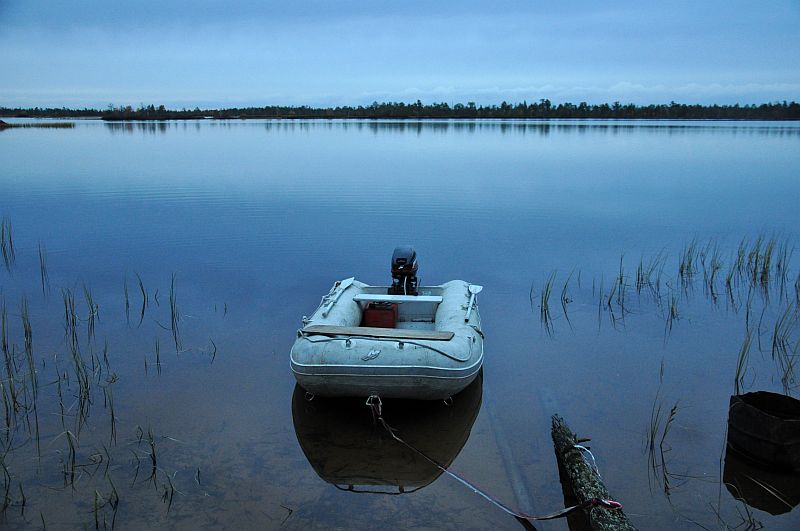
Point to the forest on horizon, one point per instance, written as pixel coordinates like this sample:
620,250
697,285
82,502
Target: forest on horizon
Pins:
543,109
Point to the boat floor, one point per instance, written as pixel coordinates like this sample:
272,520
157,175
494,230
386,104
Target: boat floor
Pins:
415,325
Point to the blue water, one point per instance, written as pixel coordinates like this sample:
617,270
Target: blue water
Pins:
256,219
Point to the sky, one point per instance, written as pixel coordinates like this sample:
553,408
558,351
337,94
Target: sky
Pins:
211,54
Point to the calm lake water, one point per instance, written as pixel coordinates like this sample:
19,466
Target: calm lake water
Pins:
241,226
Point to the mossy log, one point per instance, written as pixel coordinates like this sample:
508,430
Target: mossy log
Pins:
583,480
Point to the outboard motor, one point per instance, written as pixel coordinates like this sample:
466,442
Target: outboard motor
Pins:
404,271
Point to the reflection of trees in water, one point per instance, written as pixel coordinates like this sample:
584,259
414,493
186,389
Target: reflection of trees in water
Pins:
522,127
149,127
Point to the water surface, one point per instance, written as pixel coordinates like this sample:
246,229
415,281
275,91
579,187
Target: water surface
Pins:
256,219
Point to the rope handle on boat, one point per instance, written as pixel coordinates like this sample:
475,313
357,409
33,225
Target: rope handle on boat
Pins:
375,404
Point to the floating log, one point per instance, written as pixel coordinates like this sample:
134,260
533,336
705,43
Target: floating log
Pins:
583,480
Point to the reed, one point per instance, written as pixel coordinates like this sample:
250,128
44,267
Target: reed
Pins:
7,244
11,400
782,331
741,362
672,311
566,299
169,492
710,272
611,293
93,312
174,315
60,395
69,467
797,289
651,439
531,296
687,265
127,301
545,316
43,275
108,391
6,485
143,291
213,351
153,456
729,280
28,333
754,260
158,357
782,264
765,270
621,285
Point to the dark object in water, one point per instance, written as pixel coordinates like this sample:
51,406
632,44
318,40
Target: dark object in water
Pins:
766,427
760,487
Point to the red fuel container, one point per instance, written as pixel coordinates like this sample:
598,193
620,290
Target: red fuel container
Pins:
380,314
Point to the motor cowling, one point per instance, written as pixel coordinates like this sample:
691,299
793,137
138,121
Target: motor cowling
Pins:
404,271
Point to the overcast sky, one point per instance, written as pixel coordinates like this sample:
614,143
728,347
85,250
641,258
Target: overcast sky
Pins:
335,52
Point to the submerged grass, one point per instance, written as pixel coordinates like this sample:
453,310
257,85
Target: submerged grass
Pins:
741,362
68,399
174,315
43,275
545,317
143,291
7,244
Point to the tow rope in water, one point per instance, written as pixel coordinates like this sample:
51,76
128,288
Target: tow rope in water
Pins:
374,402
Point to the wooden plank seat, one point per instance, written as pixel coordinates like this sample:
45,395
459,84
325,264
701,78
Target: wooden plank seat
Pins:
397,299
368,331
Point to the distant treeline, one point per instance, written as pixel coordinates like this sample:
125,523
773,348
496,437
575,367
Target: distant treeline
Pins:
543,109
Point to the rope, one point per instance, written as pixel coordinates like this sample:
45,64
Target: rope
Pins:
374,402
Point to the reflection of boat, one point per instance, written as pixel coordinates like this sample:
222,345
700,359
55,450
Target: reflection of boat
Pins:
766,426
346,448
399,341
760,487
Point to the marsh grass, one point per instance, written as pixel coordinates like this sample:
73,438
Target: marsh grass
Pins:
649,272
566,298
545,317
158,356
143,291
174,315
43,275
687,265
622,286
7,244
83,370
656,434
783,353
127,299
672,312
93,312
741,362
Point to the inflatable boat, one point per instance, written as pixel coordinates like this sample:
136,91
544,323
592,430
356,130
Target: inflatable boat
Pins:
398,341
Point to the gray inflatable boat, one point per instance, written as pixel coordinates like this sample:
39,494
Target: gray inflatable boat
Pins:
371,341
